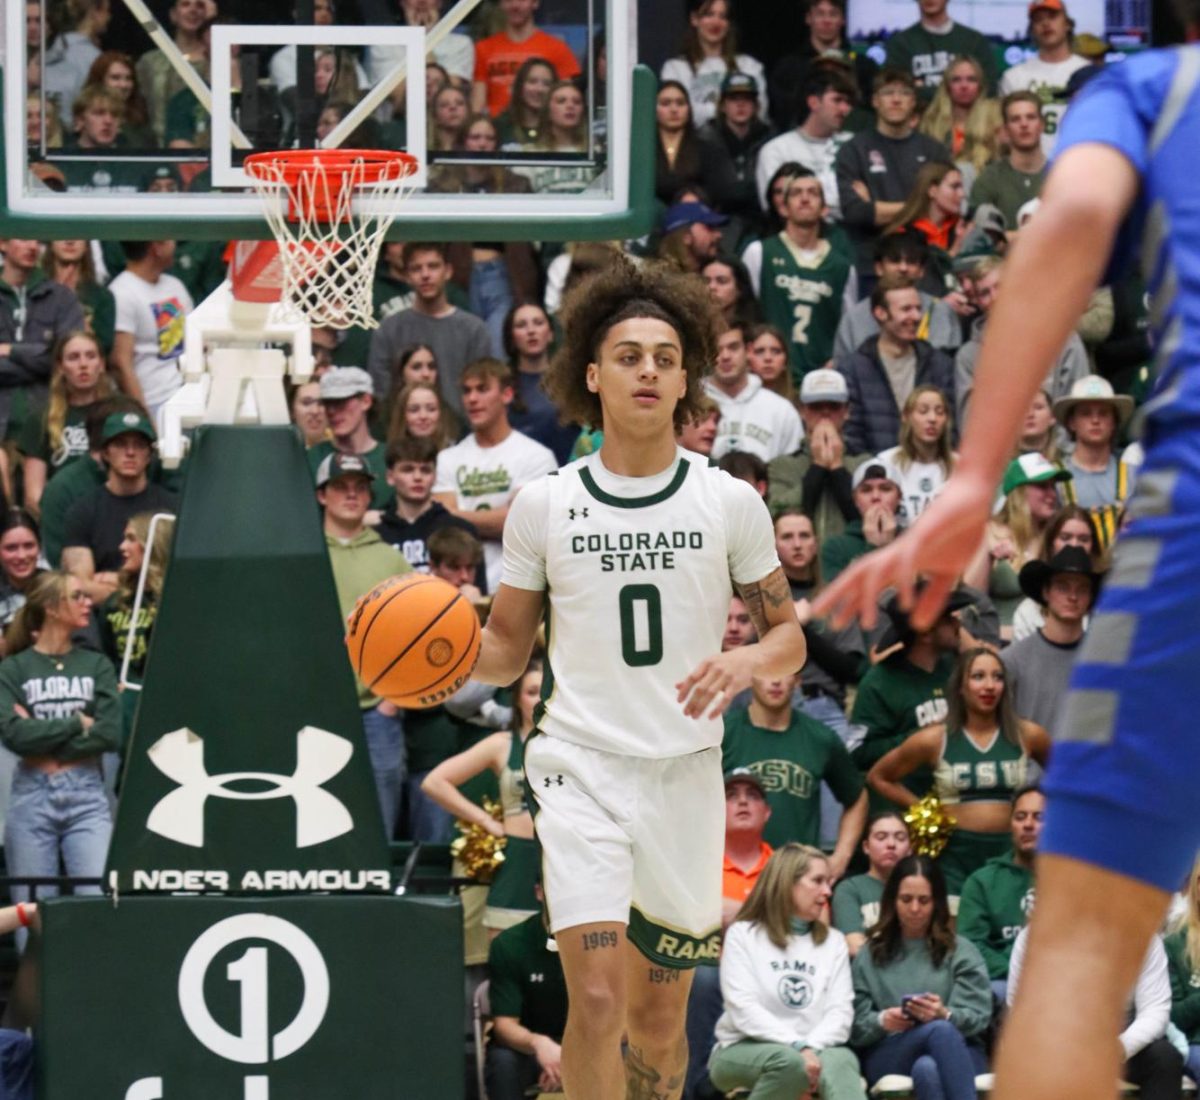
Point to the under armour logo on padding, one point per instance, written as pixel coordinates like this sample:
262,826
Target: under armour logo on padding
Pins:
320,816
581,512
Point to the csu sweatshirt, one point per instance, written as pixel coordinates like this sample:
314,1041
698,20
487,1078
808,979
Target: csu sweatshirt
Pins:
993,907
801,994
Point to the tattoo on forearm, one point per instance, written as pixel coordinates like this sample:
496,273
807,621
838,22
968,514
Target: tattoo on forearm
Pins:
773,590
594,941
660,975
645,1082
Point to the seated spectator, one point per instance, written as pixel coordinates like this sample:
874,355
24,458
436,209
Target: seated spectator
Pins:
739,630
753,420
709,54
904,254
456,555
934,209
304,402
20,562
876,498
420,413
1072,364
979,757
70,263
527,340
114,70
1039,666
1009,182
72,44
43,130
691,235
346,396
1029,501
95,524
964,118
731,290
1071,526
1153,1063
1048,73
455,336
678,156
731,142
700,433
787,1040
997,899
885,369
767,354
56,436
1183,966
933,1036
792,754
1040,431
792,75
478,478
511,898
360,560
746,854
416,363
528,997
35,312
518,123
455,53
856,899
1093,416
905,689
447,119
777,187
804,283
927,48
498,57
155,74
816,478
870,197
413,516
151,309
923,459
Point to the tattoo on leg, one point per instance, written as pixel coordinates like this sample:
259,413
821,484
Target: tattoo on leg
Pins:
644,1082
593,941
660,975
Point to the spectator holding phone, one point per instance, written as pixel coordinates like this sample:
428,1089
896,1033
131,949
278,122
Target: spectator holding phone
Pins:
921,993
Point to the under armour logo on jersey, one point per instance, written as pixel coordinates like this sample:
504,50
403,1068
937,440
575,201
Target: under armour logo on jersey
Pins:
552,780
320,816
580,512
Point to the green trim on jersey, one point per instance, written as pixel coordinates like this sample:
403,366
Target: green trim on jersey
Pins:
668,491
671,947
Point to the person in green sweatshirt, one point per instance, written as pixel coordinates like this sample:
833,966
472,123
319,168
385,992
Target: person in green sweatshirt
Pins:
360,560
927,48
856,899
997,899
1183,966
59,712
921,994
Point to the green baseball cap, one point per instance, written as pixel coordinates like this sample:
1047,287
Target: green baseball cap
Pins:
120,423
1032,468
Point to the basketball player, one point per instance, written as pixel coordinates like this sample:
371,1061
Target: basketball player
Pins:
633,553
1121,825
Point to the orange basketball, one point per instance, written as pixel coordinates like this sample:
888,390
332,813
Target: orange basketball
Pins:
413,640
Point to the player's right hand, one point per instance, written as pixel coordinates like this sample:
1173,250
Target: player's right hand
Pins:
939,546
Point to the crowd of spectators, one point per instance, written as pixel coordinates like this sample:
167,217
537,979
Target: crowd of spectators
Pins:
850,221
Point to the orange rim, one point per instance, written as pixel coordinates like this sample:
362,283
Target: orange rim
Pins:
295,167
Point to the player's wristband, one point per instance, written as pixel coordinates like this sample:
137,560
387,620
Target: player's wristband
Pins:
22,916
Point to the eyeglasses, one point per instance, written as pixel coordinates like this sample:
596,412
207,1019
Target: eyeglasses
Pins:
80,597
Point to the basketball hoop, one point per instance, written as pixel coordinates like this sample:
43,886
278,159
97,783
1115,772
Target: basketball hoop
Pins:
327,249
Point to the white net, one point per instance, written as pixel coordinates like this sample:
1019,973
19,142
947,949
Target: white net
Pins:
328,242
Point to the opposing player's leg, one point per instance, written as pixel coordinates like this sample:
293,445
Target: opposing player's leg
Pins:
656,1058
1087,939
594,958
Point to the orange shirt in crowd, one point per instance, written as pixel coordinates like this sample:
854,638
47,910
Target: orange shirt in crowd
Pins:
736,884
498,58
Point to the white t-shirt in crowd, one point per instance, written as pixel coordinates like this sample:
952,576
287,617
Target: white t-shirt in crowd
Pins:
154,313
704,82
919,483
816,154
1048,81
489,477
757,421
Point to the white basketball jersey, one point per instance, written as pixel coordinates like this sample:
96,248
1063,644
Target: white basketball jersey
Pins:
638,591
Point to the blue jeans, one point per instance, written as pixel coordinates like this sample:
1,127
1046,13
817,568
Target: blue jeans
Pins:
490,296
508,1073
825,708
386,749
16,1065
1192,1066
427,821
940,1061
704,1008
57,822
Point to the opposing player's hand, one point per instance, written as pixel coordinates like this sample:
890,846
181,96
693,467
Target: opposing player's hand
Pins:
939,546
715,681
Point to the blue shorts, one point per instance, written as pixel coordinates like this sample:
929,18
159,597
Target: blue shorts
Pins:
1123,785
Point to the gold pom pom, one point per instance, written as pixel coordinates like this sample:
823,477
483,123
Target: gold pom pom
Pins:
476,849
929,826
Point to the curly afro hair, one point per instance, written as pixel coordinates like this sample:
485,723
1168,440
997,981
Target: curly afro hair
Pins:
621,292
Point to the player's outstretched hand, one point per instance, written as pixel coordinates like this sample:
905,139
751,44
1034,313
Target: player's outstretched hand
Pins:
715,681
939,546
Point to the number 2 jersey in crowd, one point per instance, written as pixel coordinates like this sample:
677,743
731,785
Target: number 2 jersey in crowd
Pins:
1122,780
638,576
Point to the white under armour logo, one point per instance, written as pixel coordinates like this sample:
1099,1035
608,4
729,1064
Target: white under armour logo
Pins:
320,816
